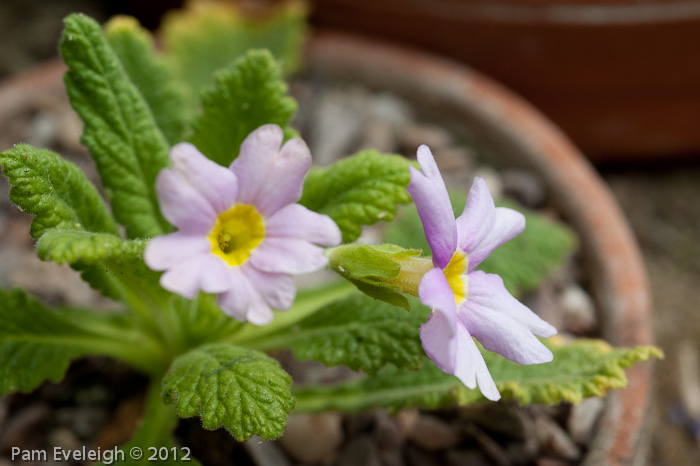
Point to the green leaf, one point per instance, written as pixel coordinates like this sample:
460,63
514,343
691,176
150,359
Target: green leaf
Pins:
37,344
358,332
243,390
54,191
523,263
75,246
120,131
107,262
359,190
376,270
133,46
581,369
247,95
209,36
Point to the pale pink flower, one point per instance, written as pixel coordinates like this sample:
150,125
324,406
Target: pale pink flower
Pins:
241,233
470,303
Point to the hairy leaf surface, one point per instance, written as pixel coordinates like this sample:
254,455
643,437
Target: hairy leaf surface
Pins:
54,191
359,190
133,45
359,332
581,369
247,95
243,390
120,131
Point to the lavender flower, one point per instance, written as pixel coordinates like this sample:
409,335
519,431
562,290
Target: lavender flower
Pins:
241,234
469,303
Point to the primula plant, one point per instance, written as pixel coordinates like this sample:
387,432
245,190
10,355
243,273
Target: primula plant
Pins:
208,218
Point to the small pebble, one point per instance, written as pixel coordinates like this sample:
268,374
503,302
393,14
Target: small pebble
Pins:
433,136
387,431
582,419
495,452
418,457
432,433
524,187
24,425
64,438
391,109
555,441
310,438
359,451
499,418
265,453
578,310
466,458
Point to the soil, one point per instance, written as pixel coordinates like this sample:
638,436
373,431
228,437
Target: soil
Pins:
660,202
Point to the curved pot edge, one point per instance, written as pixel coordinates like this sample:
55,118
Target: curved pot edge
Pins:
619,278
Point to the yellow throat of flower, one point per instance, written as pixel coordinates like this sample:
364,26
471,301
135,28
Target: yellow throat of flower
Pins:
455,272
237,232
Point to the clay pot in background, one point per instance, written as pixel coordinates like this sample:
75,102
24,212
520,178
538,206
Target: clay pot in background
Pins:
621,78
509,129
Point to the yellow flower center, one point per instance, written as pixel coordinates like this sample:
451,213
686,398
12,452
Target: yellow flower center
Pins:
455,272
237,232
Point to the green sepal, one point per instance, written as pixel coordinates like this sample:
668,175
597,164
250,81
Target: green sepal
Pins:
128,148
523,262
243,390
54,191
581,369
358,332
247,95
359,190
133,46
376,270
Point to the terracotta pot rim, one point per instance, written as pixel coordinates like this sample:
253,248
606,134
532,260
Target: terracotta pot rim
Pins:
620,284
618,276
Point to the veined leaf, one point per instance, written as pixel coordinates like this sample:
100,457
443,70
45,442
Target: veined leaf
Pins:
133,45
120,131
243,390
209,36
249,94
359,190
38,344
54,191
523,263
358,332
107,262
581,369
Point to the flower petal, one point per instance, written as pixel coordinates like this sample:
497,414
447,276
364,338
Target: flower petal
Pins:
487,291
483,227
163,252
217,184
205,272
243,302
503,335
438,334
296,221
182,205
428,191
277,289
285,255
471,367
270,177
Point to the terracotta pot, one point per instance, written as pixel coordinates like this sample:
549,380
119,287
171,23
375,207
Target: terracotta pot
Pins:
511,129
617,76
508,127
